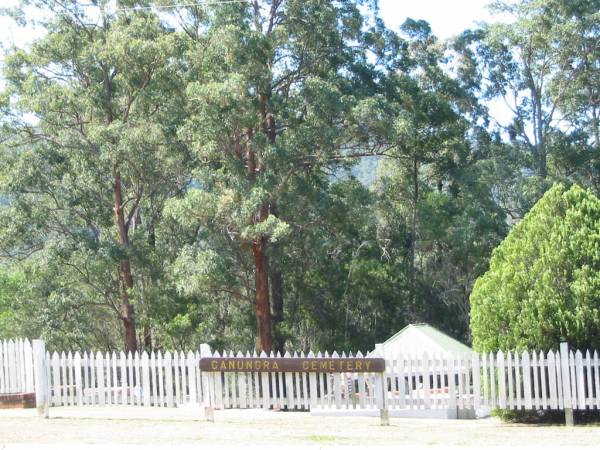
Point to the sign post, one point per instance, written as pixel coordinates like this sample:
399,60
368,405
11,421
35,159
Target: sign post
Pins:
311,365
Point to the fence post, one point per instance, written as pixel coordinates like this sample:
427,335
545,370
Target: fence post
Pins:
566,383
384,412
41,383
206,395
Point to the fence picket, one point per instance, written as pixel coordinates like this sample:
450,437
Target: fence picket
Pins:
501,381
530,381
527,398
425,383
559,385
596,379
589,400
476,381
78,386
543,377
580,382
168,380
145,382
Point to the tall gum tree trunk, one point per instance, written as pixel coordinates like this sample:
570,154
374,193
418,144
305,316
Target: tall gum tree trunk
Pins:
127,313
259,256
263,310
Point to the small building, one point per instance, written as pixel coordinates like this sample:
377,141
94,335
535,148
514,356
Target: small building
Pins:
416,339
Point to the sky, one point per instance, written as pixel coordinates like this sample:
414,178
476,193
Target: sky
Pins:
446,17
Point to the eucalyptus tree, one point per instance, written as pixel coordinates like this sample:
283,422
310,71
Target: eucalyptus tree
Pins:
90,155
273,89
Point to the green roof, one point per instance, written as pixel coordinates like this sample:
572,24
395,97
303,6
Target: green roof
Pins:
448,343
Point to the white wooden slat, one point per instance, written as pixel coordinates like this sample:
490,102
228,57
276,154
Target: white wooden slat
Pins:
402,385
527,396
19,365
168,365
101,378
476,382
3,387
597,379
177,379
16,366
56,383
501,380
559,386
580,380
511,380
78,384
30,381
64,381
145,380
12,367
266,395
452,382
242,387
544,380
425,372
116,386
197,375
485,380
184,384
279,393
93,382
233,390
573,381
153,378
440,382
71,377
249,381
412,395
87,391
305,391
589,400
321,386
461,385
138,390
161,379
109,378
535,368
11,373
492,371
257,385
226,388
124,380
312,377
191,370
218,382
552,387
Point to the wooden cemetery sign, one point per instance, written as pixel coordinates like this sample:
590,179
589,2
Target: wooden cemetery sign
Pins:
265,364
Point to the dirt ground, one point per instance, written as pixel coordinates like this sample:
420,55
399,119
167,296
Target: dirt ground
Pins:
154,427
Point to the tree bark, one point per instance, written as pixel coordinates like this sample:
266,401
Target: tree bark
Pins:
413,231
276,279
125,275
263,310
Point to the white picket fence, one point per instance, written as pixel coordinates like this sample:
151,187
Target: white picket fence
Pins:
16,366
527,380
155,379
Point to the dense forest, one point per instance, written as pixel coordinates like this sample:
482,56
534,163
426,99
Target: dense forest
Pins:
276,173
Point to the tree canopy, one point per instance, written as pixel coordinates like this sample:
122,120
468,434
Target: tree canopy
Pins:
542,285
275,174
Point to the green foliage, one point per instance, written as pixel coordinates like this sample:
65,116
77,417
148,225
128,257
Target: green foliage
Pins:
363,161
542,287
